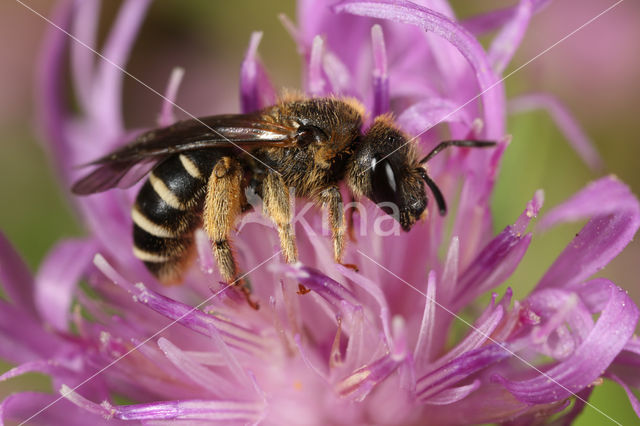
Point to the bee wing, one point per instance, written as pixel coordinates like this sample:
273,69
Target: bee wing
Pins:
127,165
113,174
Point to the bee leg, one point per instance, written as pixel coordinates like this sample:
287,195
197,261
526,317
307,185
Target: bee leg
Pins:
222,206
332,201
247,294
302,289
277,207
351,233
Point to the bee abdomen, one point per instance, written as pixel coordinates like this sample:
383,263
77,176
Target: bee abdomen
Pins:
165,257
167,210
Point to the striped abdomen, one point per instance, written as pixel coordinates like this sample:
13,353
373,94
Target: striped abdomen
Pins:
168,209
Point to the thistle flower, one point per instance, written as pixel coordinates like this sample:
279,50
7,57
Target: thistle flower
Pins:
372,346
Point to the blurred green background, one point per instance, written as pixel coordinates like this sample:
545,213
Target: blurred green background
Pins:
594,72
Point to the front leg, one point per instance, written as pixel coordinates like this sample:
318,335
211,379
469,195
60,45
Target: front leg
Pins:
331,199
277,206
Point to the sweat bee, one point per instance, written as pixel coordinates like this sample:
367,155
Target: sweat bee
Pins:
200,169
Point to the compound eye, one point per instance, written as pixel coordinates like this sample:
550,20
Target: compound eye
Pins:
307,134
383,182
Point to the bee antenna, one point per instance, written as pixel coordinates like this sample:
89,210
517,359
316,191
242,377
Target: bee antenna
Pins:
463,143
437,194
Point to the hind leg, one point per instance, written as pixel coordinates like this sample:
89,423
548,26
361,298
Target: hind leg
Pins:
222,207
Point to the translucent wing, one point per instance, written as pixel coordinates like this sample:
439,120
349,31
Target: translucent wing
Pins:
130,163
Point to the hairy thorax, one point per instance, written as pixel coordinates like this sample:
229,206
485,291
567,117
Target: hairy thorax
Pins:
318,161
307,170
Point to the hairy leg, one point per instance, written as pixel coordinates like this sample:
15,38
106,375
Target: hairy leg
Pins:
331,200
222,207
277,206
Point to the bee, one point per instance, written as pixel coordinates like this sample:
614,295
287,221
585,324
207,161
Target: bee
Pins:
200,170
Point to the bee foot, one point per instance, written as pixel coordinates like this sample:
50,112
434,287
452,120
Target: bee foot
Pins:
350,266
247,294
302,289
351,233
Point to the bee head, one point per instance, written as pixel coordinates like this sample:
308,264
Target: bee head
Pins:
386,169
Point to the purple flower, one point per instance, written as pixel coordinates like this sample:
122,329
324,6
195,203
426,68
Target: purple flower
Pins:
373,346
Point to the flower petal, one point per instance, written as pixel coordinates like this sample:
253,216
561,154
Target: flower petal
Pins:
565,122
22,337
492,404
316,81
410,13
497,261
580,401
588,361
330,290
362,381
633,345
295,34
337,73
21,407
450,271
555,308
460,368
430,112
321,373
484,23
15,277
326,72
615,218
256,90
605,196
632,397
108,80
205,255
424,349
197,373
190,317
247,412
380,76
48,367
479,334
439,377
343,34
84,28
58,277
473,218
375,292
167,117
51,109
451,395
508,39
